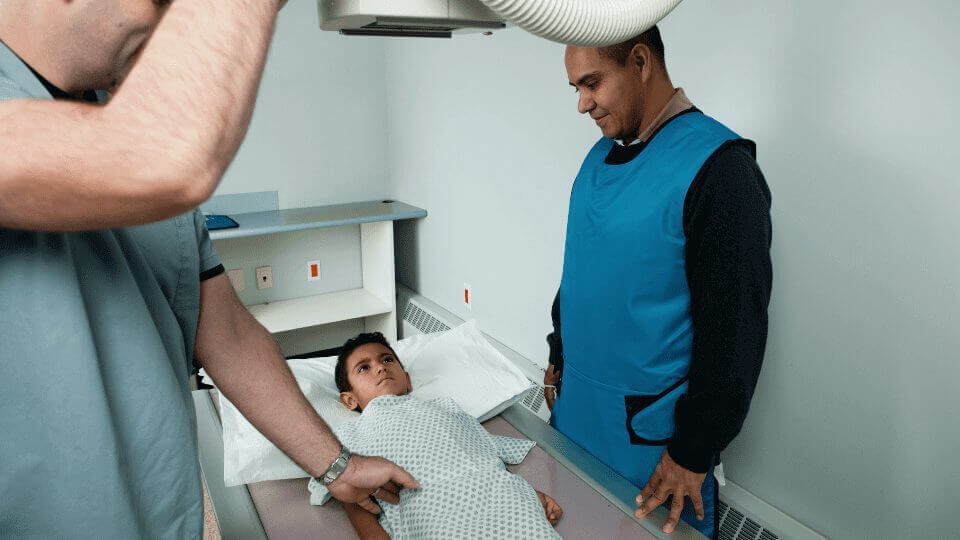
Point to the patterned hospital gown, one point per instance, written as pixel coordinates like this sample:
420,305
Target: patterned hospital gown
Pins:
465,488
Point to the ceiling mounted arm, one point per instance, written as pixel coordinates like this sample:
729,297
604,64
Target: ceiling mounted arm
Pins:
589,23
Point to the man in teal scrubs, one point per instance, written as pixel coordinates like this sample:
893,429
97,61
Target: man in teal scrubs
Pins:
109,286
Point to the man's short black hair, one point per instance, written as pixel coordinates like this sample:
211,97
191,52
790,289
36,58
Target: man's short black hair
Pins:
340,372
621,51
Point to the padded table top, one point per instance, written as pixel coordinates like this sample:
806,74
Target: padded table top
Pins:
285,510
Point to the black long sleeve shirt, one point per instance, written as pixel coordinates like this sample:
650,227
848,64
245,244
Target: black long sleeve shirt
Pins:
726,220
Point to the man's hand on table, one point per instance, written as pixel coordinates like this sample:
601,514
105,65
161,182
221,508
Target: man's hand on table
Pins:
671,479
367,476
550,377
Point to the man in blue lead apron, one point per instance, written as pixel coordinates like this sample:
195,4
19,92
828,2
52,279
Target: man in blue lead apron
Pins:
660,322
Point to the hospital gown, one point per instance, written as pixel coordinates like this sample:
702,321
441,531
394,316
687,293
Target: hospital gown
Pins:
465,489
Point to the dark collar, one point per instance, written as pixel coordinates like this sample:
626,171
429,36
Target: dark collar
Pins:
57,93
54,90
619,154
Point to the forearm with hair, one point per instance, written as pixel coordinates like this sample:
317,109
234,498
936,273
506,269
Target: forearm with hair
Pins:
208,58
163,142
247,366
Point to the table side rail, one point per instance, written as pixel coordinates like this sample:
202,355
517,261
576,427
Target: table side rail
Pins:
604,480
232,506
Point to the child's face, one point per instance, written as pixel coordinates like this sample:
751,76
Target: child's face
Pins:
373,371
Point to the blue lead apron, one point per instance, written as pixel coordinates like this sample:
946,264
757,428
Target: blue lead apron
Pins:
624,302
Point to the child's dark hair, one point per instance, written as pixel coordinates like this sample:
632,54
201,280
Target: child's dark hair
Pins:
340,372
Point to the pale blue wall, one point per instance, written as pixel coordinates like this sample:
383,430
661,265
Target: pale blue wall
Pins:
317,135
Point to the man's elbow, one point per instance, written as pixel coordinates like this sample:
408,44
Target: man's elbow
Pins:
183,187
175,167
199,186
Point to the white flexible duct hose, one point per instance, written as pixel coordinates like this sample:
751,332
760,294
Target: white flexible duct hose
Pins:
588,23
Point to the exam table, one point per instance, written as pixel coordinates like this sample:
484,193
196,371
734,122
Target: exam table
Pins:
597,503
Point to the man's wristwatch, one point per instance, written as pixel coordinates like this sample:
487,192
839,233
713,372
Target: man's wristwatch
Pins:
336,468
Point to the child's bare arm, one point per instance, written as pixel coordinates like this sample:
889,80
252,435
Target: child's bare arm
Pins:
366,524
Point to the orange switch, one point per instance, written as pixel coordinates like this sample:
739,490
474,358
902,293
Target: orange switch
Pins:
313,270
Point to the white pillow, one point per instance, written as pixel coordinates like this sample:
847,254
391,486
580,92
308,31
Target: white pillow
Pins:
459,363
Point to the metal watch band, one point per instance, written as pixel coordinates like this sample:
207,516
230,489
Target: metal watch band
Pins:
336,468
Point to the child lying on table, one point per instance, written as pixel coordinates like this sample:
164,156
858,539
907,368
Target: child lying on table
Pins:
465,489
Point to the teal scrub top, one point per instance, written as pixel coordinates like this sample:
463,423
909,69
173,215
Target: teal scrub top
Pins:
97,329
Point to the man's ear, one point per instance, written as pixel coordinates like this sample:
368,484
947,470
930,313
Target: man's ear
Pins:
349,400
641,57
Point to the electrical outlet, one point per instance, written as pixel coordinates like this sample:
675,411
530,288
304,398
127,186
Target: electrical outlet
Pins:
313,271
467,297
264,277
236,279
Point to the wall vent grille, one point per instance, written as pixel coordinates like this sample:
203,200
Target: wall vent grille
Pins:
534,398
422,320
736,526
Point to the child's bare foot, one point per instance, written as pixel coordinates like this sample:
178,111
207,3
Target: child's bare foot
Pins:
550,508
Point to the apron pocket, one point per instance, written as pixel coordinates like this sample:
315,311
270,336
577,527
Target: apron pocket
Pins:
650,417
